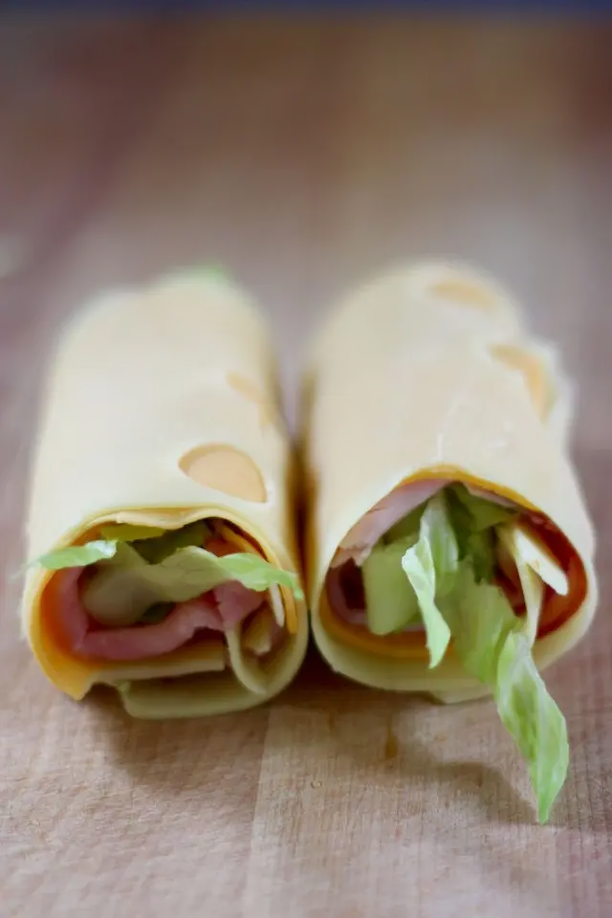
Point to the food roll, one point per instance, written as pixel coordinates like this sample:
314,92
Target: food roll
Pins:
161,533
449,549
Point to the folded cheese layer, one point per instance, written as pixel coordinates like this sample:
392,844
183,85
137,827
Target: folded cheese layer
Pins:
161,525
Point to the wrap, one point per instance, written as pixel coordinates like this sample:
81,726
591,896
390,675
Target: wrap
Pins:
425,382
164,459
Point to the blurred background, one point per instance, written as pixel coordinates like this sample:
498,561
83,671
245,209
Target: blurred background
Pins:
305,152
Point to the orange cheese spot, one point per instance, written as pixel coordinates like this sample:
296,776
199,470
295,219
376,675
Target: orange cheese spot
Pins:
531,368
464,292
248,390
225,469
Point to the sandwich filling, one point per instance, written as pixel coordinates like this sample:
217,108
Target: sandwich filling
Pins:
134,593
440,566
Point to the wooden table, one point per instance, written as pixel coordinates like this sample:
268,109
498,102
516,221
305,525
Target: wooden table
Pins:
303,154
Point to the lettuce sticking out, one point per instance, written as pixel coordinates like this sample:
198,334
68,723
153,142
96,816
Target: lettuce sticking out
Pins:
451,567
430,567
78,555
494,645
533,719
152,542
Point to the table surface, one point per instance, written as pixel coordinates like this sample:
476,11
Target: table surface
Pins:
303,154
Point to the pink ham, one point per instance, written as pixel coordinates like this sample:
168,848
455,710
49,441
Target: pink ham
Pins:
234,600
343,583
220,609
364,535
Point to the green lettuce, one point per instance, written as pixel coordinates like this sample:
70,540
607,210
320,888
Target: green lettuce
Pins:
152,542
494,646
155,550
533,720
482,513
430,567
391,603
125,586
450,568
78,555
134,581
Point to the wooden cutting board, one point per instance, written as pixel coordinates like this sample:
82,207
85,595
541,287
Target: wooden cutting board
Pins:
303,154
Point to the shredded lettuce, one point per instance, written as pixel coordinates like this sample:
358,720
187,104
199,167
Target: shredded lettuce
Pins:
430,567
152,542
391,603
155,550
125,532
533,719
483,514
78,555
451,568
494,645
138,575
127,585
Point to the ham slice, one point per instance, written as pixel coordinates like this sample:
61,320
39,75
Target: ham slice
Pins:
364,535
220,609
344,582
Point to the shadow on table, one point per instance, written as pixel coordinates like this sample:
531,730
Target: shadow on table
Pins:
162,753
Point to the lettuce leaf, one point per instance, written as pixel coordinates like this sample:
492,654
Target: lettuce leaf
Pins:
155,550
138,570
474,520
494,646
430,567
126,586
391,603
450,568
418,565
483,513
533,719
125,532
151,542
78,555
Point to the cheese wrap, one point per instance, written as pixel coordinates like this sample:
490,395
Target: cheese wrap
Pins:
448,546
160,533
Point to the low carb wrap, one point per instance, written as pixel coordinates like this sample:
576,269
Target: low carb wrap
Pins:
160,535
448,547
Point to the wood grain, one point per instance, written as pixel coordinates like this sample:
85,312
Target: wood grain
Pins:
303,154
